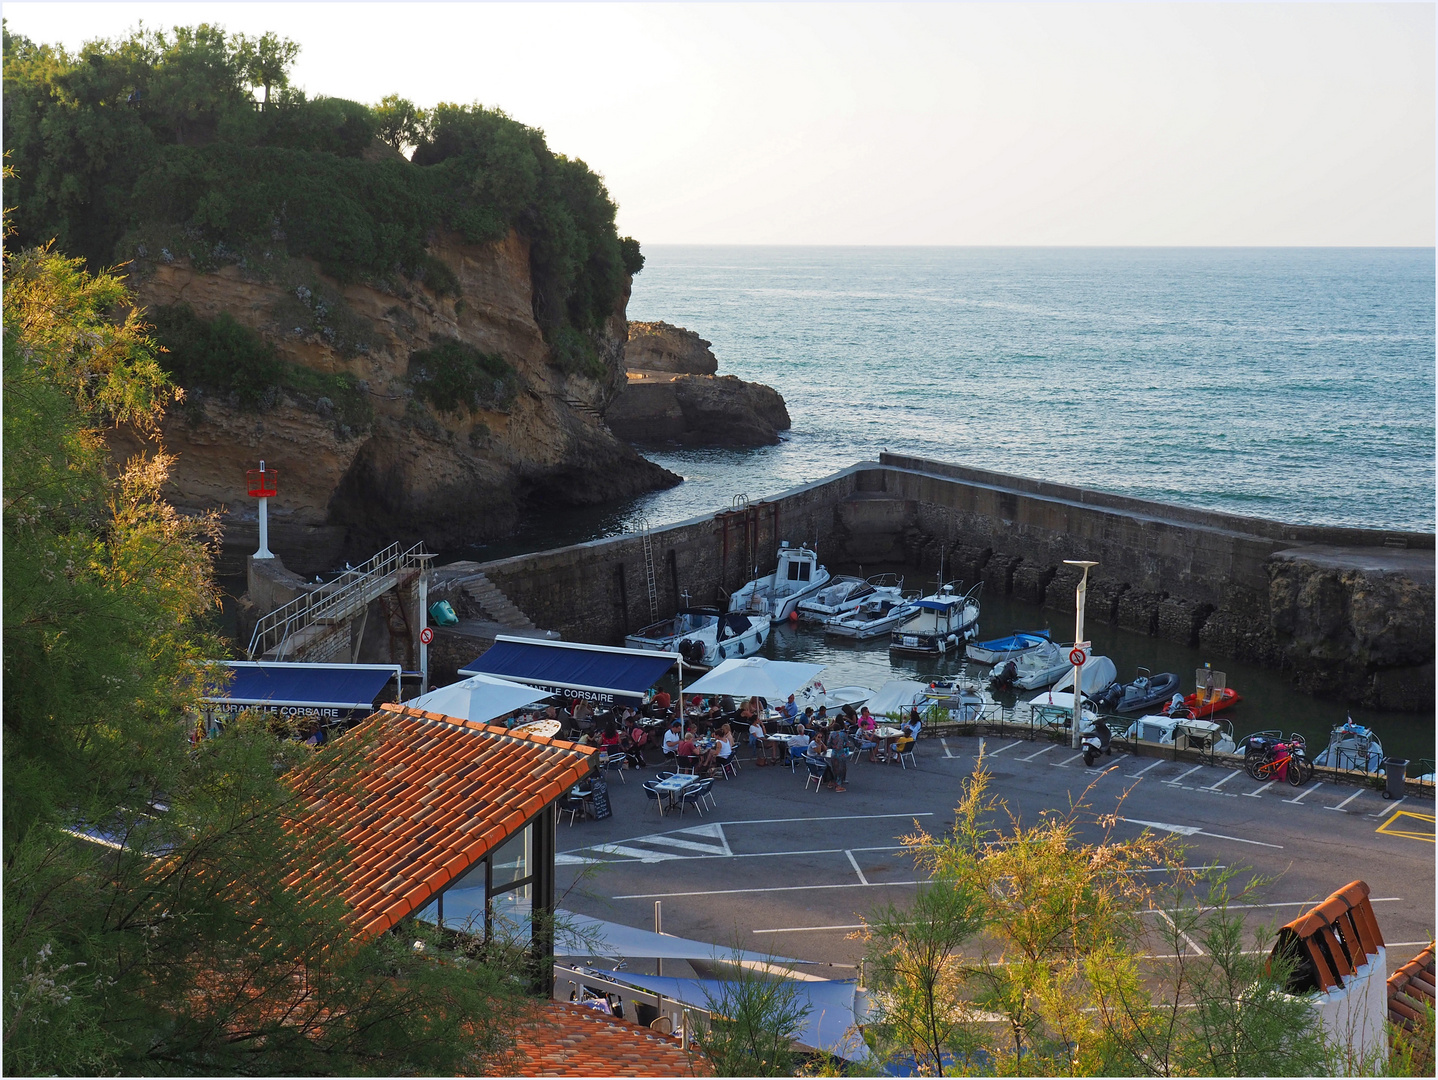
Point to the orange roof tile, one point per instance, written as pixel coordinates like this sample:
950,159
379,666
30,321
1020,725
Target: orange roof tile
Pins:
431,796
1335,938
563,1039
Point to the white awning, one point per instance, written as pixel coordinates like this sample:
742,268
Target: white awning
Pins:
580,935
772,680
481,698
896,696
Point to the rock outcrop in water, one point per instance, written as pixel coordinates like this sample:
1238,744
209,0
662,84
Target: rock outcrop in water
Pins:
416,472
674,396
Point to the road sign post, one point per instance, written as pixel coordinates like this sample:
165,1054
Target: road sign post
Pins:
1077,656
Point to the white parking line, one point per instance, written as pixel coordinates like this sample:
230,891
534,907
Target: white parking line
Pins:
813,929
772,888
1179,778
1066,762
855,864
1298,799
1345,802
1040,753
1011,745
1135,776
1389,808
945,744
1259,792
1226,779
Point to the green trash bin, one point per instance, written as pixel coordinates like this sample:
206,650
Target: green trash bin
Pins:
442,614
1395,771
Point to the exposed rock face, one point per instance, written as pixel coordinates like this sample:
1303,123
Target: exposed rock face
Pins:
698,410
416,473
673,395
659,346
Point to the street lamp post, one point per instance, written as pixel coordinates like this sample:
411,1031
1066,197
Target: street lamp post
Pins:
1080,594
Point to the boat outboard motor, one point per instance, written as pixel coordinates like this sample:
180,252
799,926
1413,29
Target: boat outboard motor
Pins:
1177,709
1004,676
1096,742
1109,697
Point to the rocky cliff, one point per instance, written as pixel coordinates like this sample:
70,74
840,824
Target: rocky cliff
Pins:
673,395
410,471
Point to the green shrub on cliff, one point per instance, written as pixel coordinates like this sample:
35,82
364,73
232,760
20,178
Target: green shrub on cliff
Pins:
221,356
154,147
453,376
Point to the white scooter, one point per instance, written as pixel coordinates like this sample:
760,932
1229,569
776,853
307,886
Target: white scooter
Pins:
1095,741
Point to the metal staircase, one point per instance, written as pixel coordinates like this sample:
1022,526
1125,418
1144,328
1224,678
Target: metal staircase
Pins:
315,625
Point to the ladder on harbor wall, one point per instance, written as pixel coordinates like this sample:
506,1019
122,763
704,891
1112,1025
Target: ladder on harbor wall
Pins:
309,626
647,541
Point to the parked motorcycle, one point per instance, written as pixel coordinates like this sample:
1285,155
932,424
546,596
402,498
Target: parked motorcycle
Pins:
1095,742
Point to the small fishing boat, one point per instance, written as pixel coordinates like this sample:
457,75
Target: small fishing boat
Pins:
703,636
844,594
1213,694
1006,648
1038,667
1144,694
874,617
1352,746
776,596
1184,733
942,623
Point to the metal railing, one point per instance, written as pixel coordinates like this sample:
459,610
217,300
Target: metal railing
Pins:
333,601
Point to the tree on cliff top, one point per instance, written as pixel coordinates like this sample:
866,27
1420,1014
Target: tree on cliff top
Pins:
166,943
154,146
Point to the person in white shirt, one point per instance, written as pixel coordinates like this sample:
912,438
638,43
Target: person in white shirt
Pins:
672,738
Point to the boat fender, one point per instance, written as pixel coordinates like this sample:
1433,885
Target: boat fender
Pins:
739,647
723,654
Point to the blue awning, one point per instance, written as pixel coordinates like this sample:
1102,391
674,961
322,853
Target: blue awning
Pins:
302,688
597,673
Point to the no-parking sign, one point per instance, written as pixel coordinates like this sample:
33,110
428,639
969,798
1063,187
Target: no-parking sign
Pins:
426,635
1077,657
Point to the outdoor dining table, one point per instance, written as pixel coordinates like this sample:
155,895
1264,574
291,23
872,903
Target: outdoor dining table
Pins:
673,786
786,740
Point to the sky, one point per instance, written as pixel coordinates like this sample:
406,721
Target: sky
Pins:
1003,124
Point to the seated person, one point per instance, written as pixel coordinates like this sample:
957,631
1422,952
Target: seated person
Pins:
756,734
816,749
799,745
686,753
610,741
583,713
910,734
821,717
672,738
661,703
720,752
790,709
838,742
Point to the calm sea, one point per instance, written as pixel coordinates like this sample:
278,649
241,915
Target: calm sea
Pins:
1295,384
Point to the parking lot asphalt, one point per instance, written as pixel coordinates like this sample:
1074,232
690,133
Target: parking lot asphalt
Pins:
775,867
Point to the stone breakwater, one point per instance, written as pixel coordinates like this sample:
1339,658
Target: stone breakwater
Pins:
1348,613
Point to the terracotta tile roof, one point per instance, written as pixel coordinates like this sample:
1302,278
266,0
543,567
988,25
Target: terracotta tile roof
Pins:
432,795
1334,939
1411,991
563,1039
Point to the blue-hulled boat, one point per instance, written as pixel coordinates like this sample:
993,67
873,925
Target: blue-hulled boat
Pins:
1006,648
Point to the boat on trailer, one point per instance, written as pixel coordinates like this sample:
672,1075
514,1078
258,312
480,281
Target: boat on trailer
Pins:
776,596
1184,733
942,623
704,637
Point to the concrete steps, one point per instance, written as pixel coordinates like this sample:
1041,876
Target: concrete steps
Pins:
496,605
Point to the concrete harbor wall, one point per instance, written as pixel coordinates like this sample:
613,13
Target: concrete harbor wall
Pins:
1347,612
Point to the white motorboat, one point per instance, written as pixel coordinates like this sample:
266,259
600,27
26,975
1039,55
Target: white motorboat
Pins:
844,594
942,623
815,695
1185,733
965,704
1352,746
997,650
703,636
1039,667
797,577
874,617
1099,673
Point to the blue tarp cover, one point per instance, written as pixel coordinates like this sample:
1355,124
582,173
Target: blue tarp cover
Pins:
938,605
340,686
606,675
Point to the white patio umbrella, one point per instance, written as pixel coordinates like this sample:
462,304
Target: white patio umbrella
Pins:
481,698
772,680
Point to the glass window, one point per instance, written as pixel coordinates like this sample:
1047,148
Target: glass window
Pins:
511,910
429,913
794,571
514,860
463,901
803,571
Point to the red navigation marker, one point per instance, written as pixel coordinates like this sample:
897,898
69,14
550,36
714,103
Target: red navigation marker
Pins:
1077,657
426,635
